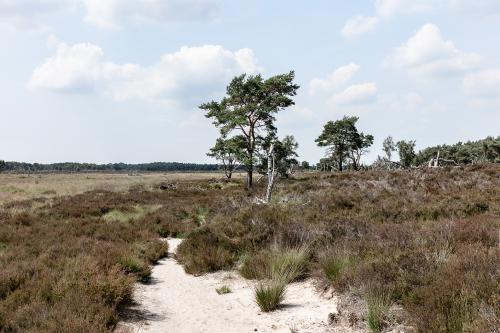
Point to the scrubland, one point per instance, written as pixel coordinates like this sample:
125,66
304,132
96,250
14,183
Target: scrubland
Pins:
415,248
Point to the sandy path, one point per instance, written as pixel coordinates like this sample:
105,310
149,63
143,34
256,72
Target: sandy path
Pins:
177,302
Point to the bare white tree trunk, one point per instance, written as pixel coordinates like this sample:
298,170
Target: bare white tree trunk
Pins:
436,162
270,173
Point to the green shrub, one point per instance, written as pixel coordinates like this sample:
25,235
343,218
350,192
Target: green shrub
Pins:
135,266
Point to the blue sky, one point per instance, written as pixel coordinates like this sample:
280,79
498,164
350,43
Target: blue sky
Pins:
120,80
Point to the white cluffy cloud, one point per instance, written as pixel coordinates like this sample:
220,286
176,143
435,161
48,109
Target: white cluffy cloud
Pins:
427,53
352,95
359,25
111,13
356,94
478,7
334,80
384,9
179,77
25,14
483,85
106,13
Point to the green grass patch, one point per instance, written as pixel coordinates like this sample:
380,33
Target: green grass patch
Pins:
135,213
223,290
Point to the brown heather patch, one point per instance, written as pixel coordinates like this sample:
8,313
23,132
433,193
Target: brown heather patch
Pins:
69,263
426,240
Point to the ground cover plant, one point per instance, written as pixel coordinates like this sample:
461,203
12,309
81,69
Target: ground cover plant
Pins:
425,241
69,263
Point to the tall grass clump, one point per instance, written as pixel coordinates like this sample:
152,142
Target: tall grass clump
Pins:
288,264
378,301
270,294
333,263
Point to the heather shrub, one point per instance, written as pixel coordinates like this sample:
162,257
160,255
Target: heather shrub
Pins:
203,251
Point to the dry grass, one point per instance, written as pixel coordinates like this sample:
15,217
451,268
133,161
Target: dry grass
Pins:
15,187
69,263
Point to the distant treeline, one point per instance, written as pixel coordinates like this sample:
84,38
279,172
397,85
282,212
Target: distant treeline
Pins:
486,150
111,167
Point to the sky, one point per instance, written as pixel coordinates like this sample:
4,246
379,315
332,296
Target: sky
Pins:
121,80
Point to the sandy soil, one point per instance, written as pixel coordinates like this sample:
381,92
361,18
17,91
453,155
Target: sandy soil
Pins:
177,302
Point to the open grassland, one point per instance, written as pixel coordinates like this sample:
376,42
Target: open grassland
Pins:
15,186
418,248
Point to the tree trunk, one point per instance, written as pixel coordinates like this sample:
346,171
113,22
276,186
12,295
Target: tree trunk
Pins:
249,177
340,164
270,173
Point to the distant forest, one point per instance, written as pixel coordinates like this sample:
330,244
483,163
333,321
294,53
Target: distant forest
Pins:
111,167
486,150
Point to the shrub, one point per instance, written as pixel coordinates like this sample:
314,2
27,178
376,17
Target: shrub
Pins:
134,265
255,266
270,294
203,251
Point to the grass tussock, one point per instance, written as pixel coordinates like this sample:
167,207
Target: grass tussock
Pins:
378,300
270,294
288,264
223,290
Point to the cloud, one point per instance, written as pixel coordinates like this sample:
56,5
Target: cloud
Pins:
356,94
26,14
78,68
479,7
179,77
483,84
391,8
384,9
334,80
359,25
111,13
188,74
427,53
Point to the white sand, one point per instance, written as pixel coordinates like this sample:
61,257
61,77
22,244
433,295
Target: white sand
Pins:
178,302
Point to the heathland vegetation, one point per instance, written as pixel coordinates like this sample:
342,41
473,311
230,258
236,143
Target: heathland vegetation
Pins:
415,241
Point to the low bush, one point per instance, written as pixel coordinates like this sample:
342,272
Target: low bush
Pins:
134,265
203,251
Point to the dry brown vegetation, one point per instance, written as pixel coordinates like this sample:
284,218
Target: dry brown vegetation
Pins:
69,263
426,240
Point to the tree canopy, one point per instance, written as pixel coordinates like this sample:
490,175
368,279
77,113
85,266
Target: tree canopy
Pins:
344,142
230,152
249,107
